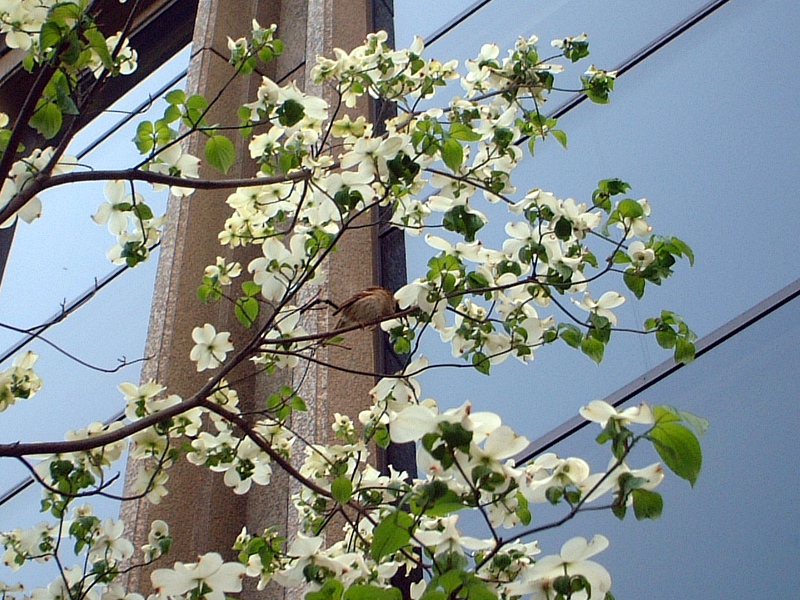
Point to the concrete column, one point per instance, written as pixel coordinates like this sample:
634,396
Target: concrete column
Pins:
203,514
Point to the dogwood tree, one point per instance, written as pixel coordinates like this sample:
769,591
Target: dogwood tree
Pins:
554,280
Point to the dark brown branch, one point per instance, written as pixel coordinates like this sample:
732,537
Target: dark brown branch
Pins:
45,183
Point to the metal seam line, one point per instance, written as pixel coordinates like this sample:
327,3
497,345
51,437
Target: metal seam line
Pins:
668,367
648,50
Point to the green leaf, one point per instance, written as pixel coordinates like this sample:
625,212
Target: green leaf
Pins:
523,512
647,504
29,63
50,35
434,594
619,510
220,152
613,186
172,114
628,482
251,288
630,209
290,113
554,495
464,133
684,351
402,168
266,55
576,50
142,211
246,310
288,161
372,592
560,136
683,248
97,42
593,348
197,102
452,154
455,435
5,137
205,293
331,590
666,338
449,503
402,346
176,97
481,363
476,281
460,220
64,11
571,335
391,534
634,282
342,489
47,119
144,137
699,424
676,445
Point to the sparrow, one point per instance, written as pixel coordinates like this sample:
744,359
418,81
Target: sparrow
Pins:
365,307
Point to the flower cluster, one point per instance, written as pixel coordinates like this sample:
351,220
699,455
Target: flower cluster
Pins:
321,174
209,577
102,542
39,28
22,173
130,219
19,381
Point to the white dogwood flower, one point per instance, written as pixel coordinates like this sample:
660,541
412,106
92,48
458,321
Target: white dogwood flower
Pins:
211,347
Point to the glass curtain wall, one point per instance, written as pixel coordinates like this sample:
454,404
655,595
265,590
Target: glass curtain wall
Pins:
110,326
706,129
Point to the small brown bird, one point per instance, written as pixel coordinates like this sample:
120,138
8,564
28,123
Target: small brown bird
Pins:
365,307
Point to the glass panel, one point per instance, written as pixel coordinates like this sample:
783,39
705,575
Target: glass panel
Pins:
735,535
706,129
113,327
616,28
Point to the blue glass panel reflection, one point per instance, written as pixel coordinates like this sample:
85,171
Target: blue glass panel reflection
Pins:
737,533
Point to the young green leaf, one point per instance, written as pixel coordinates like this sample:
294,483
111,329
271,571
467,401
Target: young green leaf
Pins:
676,445
634,282
342,489
331,590
246,310
47,119
176,97
290,113
464,133
593,348
647,504
570,334
372,592
560,136
391,534
220,152
452,154
142,211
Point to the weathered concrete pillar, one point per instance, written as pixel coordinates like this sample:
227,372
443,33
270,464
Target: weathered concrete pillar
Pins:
203,514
